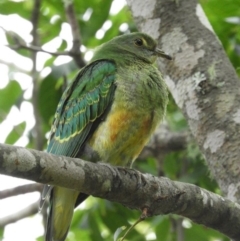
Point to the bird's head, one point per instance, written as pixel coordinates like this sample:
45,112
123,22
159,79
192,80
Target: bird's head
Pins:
137,44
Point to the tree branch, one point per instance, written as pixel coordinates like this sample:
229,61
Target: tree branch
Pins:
33,187
157,195
72,20
26,212
37,129
39,49
14,67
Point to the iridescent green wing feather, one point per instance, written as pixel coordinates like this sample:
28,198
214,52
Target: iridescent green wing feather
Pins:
82,103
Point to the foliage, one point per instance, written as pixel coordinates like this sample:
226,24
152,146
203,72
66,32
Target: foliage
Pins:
224,17
100,219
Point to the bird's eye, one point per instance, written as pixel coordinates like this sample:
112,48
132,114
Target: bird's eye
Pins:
138,42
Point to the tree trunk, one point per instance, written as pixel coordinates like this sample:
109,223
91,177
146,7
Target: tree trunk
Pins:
202,81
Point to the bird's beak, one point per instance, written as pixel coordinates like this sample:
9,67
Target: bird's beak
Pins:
162,54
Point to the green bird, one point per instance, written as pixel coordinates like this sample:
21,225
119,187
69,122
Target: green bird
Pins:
107,113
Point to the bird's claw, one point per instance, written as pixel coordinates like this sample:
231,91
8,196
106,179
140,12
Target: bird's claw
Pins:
141,180
113,170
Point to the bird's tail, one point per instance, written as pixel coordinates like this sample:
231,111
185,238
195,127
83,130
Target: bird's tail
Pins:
62,203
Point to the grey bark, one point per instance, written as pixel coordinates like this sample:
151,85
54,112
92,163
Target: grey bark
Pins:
153,195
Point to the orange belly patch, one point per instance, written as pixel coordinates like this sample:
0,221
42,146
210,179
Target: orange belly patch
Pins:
118,122
129,131
121,137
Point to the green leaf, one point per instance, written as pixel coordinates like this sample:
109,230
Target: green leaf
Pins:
99,15
63,45
201,233
1,233
108,214
9,97
172,164
227,32
118,233
78,234
49,62
22,8
148,165
63,69
95,233
50,91
16,133
49,97
40,238
163,229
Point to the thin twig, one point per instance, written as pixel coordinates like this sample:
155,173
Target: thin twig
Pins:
140,219
14,66
23,189
72,20
26,212
39,49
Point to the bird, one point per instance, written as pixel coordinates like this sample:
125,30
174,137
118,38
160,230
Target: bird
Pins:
106,114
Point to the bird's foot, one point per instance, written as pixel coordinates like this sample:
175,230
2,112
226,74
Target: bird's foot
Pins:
113,170
141,180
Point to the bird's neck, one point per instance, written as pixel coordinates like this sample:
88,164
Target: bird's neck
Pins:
141,88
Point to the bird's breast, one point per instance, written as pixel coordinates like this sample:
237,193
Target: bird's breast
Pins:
121,137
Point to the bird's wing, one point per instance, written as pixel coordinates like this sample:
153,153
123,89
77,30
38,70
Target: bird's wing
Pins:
86,99
81,104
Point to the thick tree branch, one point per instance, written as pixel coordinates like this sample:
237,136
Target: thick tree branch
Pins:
24,213
158,195
202,81
33,187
